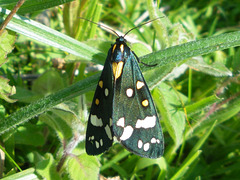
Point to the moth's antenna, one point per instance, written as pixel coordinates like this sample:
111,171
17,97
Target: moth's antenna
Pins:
100,25
142,25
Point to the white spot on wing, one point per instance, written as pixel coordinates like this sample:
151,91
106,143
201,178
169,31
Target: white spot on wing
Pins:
121,122
108,132
127,133
129,92
146,147
97,144
106,92
95,121
101,142
139,84
148,122
110,122
158,141
140,143
91,138
153,140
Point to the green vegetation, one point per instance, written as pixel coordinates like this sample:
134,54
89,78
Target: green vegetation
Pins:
44,103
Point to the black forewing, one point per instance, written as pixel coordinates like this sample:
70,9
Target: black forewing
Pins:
100,137
131,109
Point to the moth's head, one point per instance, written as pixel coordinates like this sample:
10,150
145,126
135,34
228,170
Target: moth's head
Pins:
121,40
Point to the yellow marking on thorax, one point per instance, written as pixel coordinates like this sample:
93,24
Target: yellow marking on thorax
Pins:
117,69
114,47
122,48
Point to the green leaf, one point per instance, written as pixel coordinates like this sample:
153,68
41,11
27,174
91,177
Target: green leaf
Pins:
120,155
201,104
194,48
57,124
95,18
159,25
181,172
215,69
140,49
7,40
46,35
50,101
25,95
200,142
48,83
179,35
6,90
84,166
62,120
26,174
146,162
236,62
28,130
129,23
2,112
161,71
221,116
193,155
47,168
169,102
89,14
32,6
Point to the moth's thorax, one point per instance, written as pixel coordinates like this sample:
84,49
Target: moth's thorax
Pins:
120,52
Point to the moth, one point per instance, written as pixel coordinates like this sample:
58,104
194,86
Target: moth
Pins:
123,107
